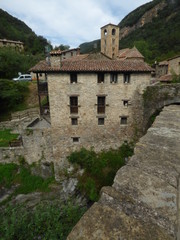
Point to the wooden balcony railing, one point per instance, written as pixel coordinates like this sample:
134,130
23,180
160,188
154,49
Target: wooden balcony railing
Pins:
74,109
100,109
43,88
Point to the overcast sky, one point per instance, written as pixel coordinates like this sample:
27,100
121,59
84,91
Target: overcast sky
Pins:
69,22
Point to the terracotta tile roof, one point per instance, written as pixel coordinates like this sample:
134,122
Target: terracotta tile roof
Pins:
163,63
123,52
134,53
130,53
77,57
94,66
165,78
59,52
110,24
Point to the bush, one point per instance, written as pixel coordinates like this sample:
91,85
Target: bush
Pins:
100,168
12,94
7,174
49,220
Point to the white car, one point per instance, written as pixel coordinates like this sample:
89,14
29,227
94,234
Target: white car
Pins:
23,77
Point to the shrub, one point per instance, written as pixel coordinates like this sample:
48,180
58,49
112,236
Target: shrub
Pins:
48,220
12,94
7,174
100,168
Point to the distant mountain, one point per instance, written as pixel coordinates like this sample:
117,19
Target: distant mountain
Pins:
154,28
12,28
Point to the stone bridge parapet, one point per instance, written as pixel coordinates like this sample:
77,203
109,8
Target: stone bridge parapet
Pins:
143,203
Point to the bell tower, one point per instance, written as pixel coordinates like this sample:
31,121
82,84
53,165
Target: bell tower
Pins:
110,40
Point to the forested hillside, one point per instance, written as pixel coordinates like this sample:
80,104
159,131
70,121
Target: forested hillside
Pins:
13,29
156,40
159,39
12,61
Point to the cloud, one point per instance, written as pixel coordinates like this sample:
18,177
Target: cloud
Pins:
69,22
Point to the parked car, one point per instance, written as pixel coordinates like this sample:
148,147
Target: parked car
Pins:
23,77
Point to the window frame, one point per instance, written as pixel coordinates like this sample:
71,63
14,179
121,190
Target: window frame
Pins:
125,102
100,78
74,121
75,139
114,78
73,78
126,78
101,121
101,104
123,120
73,101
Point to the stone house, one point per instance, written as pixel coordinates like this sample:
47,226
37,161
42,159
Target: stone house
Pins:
91,96
165,69
9,43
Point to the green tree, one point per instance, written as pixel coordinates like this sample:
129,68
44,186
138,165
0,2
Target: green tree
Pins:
144,48
62,47
12,62
11,94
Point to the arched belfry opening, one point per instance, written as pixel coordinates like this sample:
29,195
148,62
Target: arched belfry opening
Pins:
113,31
110,40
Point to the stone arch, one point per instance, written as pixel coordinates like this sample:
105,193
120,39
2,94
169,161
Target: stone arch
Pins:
113,31
157,97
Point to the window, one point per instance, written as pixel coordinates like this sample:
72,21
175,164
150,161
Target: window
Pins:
74,121
127,78
75,139
71,54
105,32
125,102
113,78
100,121
113,31
73,78
100,77
123,120
101,104
73,105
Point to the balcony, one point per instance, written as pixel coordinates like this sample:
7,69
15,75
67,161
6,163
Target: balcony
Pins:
74,109
43,88
100,109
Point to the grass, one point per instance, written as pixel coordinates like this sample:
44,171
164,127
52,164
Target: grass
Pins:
52,219
13,174
48,220
99,168
7,174
6,136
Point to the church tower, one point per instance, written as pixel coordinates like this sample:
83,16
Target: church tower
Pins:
110,40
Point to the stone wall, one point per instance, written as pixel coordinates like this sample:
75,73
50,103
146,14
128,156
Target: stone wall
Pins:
37,146
11,154
143,203
174,65
88,132
156,97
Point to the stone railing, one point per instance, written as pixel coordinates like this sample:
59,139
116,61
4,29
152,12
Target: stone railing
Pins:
143,202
